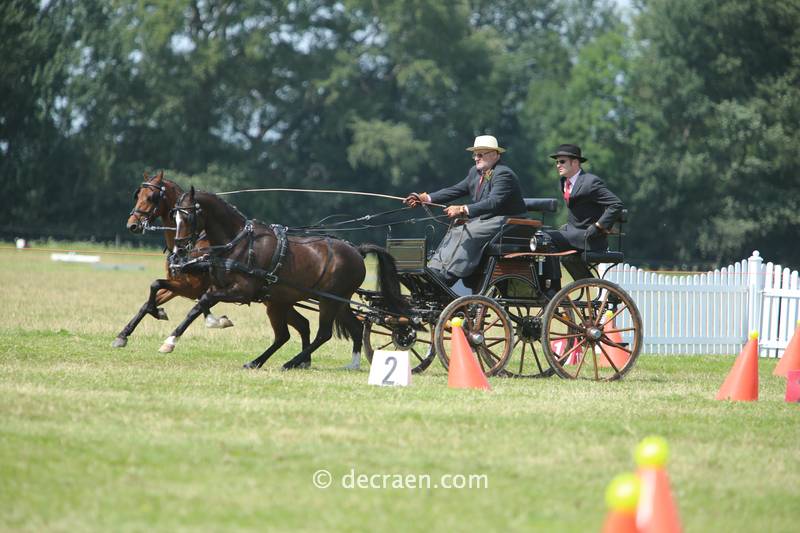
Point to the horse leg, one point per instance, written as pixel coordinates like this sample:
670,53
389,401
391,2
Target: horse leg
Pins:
183,286
158,295
206,302
300,323
347,320
221,322
277,317
327,312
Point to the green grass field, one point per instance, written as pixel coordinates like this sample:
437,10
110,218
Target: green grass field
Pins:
100,439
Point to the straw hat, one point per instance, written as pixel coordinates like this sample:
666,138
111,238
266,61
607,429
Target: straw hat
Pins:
485,142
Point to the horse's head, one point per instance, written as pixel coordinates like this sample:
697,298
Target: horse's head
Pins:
189,222
150,202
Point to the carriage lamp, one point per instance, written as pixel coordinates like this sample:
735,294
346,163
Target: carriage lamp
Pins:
540,241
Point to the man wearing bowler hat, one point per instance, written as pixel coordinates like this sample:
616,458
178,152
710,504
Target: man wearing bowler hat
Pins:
494,194
591,211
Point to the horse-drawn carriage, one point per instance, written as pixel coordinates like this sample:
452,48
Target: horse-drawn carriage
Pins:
591,328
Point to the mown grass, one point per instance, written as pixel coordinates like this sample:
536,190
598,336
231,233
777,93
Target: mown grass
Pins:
100,439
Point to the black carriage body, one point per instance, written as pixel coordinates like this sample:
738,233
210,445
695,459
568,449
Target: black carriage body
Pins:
510,299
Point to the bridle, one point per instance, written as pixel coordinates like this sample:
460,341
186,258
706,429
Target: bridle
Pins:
191,212
157,198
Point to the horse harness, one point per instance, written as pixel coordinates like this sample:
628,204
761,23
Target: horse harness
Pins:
156,199
270,275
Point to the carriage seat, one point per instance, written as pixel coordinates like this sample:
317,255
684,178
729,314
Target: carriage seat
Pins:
609,256
542,205
514,238
516,233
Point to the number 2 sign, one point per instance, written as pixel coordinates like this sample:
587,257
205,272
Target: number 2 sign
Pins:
390,369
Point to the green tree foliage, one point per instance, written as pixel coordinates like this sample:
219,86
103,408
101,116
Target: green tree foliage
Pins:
688,112
34,146
714,93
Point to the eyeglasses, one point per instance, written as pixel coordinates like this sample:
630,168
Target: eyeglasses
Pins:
561,161
480,155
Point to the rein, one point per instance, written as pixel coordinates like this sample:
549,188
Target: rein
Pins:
366,218
269,275
323,191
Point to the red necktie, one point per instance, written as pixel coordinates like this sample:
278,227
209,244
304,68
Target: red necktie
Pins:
478,189
567,189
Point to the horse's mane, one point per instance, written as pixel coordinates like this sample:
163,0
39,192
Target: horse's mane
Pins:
177,187
230,208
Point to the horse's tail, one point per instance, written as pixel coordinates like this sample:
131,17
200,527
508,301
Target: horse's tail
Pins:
388,279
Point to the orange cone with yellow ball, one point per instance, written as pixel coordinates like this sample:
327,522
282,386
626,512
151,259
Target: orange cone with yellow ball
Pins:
656,511
742,381
464,371
791,355
622,497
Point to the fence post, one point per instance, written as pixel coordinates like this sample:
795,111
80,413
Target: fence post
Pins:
755,292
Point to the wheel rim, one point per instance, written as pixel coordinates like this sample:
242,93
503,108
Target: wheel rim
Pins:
605,330
516,294
417,342
488,330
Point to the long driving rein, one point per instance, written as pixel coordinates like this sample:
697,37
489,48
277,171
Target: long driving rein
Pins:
208,260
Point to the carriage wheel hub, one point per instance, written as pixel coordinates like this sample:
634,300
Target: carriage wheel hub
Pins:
594,334
475,339
530,330
404,337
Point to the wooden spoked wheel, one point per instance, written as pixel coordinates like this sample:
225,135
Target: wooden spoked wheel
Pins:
487,327
518,296
592,330
417,342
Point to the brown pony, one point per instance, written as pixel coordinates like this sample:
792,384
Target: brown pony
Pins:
249,261
155,198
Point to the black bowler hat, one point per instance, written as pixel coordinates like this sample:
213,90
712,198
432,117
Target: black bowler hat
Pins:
569,150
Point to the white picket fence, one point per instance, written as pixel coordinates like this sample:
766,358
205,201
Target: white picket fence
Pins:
713,312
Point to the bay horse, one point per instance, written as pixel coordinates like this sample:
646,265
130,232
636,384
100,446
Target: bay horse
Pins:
155,198
249,261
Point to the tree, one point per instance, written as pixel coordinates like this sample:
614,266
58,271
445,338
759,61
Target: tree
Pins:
714,90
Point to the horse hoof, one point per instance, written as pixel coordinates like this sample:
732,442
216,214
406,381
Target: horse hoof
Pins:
162,315
293,366
120,342
250,366
353,366
166,348
213,322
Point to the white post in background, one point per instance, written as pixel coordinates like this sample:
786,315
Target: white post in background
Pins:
755,291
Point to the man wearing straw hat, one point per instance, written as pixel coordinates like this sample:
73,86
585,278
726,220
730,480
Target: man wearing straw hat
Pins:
494,194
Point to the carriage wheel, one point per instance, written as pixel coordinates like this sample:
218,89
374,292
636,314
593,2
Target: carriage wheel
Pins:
603,324
517,294
487,327
417,342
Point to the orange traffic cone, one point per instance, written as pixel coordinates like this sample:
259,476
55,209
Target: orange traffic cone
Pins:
791,355
622,497
742,381
560,346
793,386
656,511
618,355
464,371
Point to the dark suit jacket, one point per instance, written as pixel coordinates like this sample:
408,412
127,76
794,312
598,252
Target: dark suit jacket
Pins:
590,201
501,195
